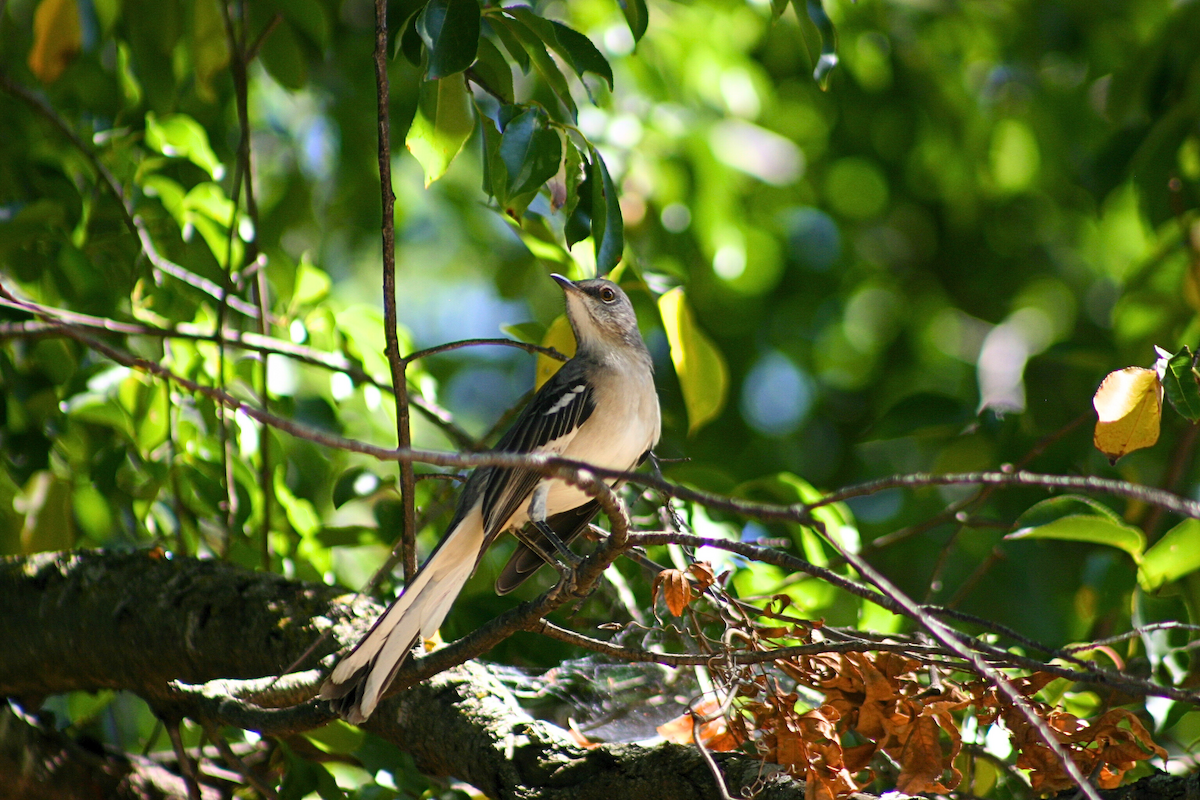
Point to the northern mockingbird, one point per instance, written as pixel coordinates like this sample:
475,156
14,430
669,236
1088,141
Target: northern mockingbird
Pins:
600,408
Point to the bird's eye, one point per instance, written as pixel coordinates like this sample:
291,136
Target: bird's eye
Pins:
607,294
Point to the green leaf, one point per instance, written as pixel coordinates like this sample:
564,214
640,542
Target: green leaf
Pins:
699,365
441,126
787,488
575,49
308,18
542,62
637,16
283,58
1181,382
362,326
210,47
354,484
512,44
1079,519
1174,555
531,152
495,176
608,227
82,707
579,224
48,522
450,31
923,412
180,136
778,7
829,58
575,174
312,284
299,511
336,737
408,43
492,72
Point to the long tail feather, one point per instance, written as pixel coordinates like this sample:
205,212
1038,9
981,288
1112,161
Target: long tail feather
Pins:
358,682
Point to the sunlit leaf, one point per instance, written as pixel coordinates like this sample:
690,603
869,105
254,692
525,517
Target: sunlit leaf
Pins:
1181,382
559,336
300,512
1079,519
312,284
48,523
441,126
1174,555
450,31
57,38
180,136
1129,411
703,376
336,737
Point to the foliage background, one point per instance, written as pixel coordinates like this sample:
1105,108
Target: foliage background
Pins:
927,264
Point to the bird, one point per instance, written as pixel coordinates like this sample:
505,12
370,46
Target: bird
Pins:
600,408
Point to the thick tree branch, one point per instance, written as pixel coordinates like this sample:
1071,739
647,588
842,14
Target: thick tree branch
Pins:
137,621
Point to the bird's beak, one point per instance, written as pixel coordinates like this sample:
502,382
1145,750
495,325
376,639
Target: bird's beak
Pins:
566,283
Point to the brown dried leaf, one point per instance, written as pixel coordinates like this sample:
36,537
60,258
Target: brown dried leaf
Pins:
702,572
676,590
921,759
857,758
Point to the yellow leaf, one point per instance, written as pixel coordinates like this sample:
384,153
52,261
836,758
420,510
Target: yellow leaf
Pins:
559,336
1128,409
57,38
701,369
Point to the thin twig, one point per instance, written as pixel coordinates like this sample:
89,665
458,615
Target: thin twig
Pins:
536,349
397,362
235,763
187,767
253,261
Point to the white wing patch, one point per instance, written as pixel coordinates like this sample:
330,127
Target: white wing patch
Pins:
566,399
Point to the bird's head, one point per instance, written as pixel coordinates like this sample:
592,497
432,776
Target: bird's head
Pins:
601,315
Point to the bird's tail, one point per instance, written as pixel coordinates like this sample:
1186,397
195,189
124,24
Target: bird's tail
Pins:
358,682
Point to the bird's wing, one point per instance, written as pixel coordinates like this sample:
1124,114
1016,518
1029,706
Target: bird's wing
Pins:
547,424
568,525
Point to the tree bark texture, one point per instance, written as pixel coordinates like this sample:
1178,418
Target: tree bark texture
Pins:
139,621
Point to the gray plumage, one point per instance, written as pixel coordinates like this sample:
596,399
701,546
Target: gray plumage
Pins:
600,408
